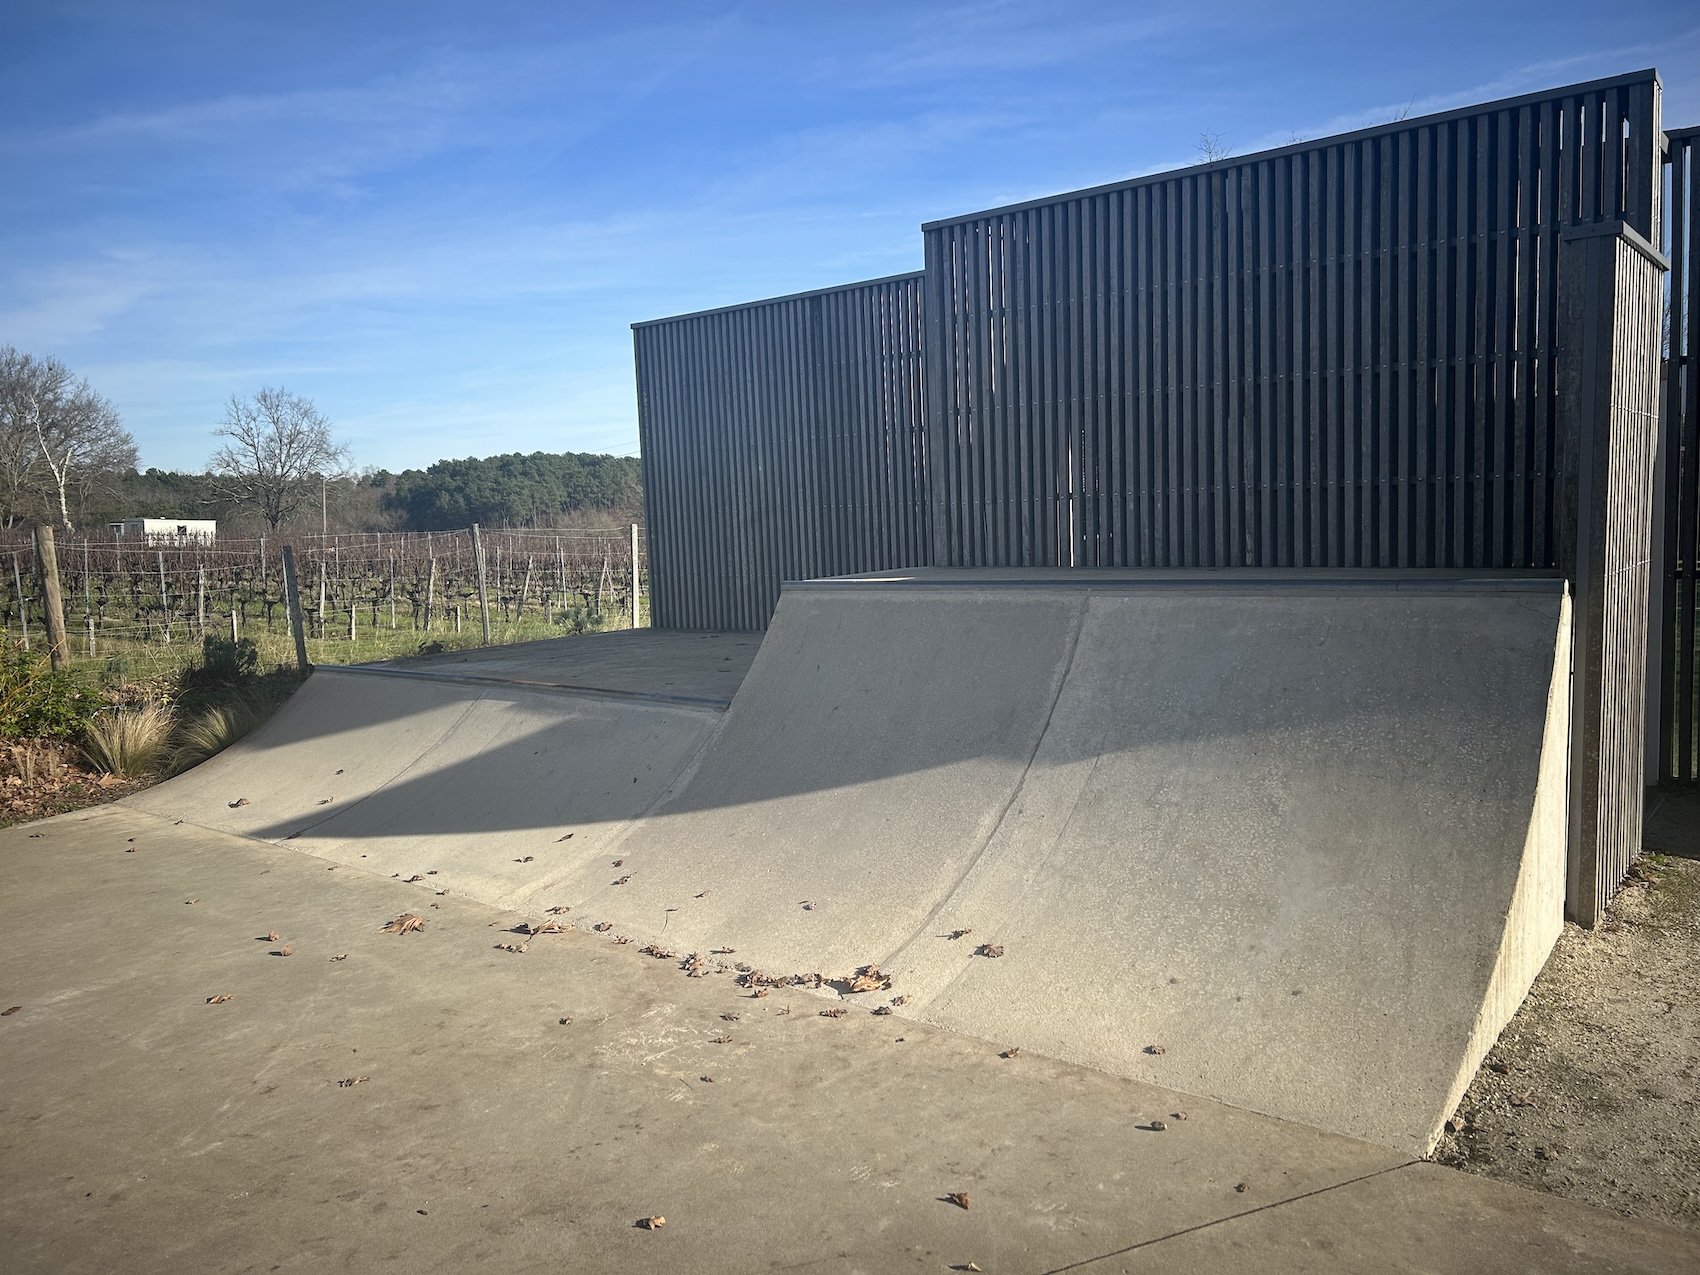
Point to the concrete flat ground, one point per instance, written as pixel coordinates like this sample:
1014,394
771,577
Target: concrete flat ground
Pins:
652,662
144,1129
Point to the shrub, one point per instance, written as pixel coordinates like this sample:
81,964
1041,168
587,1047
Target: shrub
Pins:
128,741
35,701
224,660
212,731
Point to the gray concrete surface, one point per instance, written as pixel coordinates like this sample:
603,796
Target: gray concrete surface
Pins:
491,792
1253,841
144,1130
654,662
1256,839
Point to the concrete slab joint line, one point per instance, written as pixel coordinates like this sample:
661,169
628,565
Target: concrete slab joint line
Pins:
1296,851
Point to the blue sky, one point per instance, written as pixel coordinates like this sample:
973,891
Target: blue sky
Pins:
438,220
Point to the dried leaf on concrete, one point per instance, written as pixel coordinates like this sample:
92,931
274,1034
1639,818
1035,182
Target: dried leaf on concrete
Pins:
619,863
958,934
340,956
731,1018
720,1040
325,802
558,909
837,1011
352,1081
406,923
511,947
568,837
415,877
704,894
187,902
1014,1051
272,936
602,927
624,879
899,1000
651,1223
240,801
1155,1049
1157,1126
958,1198
211,1000
14,1009
286,950
989,949
882,1009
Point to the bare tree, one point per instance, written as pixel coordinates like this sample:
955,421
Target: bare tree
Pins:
1211,148
56,434
280,451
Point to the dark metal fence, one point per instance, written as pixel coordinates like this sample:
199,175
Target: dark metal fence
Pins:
1678,635
781,440
1339,353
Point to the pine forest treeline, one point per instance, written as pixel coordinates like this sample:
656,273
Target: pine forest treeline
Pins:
542,489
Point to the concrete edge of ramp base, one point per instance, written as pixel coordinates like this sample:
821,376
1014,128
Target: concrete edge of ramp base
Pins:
482,789
1296,845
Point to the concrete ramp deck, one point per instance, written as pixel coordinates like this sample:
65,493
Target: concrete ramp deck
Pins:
1293,842
472,781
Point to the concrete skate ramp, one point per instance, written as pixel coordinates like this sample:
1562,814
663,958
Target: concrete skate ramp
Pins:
473,787
1292,843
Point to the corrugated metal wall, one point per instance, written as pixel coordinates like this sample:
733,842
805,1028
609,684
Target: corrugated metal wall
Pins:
1681,638
781,440
1334,354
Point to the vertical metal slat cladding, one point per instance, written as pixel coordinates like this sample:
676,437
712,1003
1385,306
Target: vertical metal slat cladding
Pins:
781,439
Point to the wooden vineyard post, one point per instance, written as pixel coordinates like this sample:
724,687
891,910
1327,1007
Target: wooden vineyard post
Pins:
201,597
634,575
431,591
47,563
292,603
233,638
89,620
164,600
392,588
23,607
483,584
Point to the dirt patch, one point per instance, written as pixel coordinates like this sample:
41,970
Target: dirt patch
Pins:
1592,1091
39,778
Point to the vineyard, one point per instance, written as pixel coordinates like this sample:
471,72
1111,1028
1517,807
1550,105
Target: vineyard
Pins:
145,608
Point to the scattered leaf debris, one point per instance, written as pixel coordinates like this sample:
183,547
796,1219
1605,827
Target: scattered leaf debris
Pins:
567,1021
406,923
1239,1188
1177,1115
14,1009
240,801
558,909
602,927
512,947
1014,1051
707,1080
704,894
351,1081
958,1198
325,802
869,979
415,877
658,952
837,1011
340,956
989,949
622,938
650,1223
807,906
286,950
882,1009
624,879
272,936
1157,1126
720,1040
1155,1049
899,1000
568,837
187,902
211,1000
619,863
1504,1069
958,934
722,951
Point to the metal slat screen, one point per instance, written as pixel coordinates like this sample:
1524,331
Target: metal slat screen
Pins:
1678,719
1335,354
781,440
